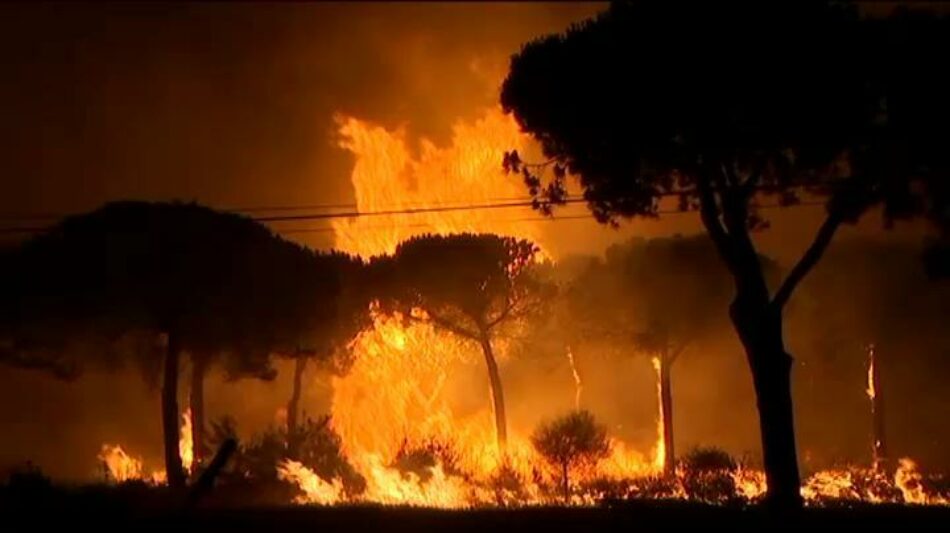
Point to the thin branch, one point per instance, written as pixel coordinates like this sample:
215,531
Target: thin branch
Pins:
814,252
678,350
501,316
447,325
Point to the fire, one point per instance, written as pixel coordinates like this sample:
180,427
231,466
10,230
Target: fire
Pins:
123,467
578,386
871,390
750,484
834,484
388,177
411,383
186,444
908,480
315,490
120,465
659,453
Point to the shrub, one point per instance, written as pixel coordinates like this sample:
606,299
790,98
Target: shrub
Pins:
571,442
707,475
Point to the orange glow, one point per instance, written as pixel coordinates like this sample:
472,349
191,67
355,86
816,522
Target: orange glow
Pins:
578,386
908,480
120,465
468,172
123,467
186,443
316,491
659,451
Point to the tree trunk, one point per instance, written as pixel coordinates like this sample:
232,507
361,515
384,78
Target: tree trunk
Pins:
173,467
666,411
566,482
760,330
879,443
199,368
293,406
498,397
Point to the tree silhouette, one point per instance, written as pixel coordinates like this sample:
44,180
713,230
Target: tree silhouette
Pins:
873,302
471,285
661,295
722,104
571,441
207,283
332,308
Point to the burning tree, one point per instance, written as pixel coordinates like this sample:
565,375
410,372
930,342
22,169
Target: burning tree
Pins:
470,285
660,294
824,104
197,279
871,323
575,440
331,309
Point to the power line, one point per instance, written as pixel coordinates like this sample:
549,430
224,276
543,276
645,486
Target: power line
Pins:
552,218
348,214
15,217
390,212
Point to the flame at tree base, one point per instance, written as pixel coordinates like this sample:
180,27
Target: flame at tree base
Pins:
120,467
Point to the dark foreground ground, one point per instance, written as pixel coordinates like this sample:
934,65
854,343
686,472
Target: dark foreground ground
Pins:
97,509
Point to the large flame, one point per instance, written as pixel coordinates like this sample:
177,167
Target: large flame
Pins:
388,177
412,384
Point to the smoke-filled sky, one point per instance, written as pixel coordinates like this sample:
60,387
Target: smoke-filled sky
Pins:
233,105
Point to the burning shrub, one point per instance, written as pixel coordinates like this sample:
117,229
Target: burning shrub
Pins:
707,475
318,448
571,442
420,459
508,485
659,487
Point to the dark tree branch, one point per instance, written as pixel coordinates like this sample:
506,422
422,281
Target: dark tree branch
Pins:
675,352
729,174
814,252
709,214
752,182
447,325
509,306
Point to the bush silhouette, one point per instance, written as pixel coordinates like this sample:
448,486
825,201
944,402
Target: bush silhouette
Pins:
573,441
707,475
